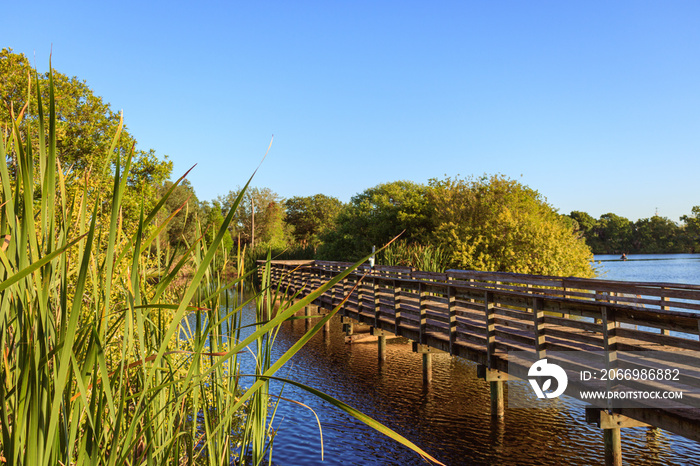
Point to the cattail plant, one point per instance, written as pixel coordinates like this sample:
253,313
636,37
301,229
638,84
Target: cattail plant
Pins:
105,361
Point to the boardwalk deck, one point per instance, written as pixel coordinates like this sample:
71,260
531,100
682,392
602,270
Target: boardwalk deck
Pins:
495,318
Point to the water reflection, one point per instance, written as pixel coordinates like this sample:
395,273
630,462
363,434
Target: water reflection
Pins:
450,418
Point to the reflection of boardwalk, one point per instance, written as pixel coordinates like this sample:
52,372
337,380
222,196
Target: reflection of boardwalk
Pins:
505,322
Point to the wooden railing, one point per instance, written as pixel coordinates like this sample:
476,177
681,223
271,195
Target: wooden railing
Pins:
485,316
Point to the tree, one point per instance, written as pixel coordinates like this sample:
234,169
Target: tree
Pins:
692,229
614,234
311,217
375,216
656,235
259,219
497,224
182,227
85,125
212,219
586,225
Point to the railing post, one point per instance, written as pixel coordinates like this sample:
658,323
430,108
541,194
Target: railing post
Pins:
490,328
664,331
377,302
452,311
609,345
305,278
422,295
538,320
397,306
360,297
340,288
471,283
347,287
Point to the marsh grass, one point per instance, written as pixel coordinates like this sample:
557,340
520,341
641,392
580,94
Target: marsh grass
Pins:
426,258
99,363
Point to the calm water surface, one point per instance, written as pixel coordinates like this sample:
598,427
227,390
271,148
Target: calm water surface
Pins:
668,268
450,418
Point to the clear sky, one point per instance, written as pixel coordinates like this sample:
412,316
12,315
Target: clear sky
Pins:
594,104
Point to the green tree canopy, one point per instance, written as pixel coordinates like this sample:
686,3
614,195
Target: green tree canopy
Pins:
497,224
656,234
85,126
584,221
375,216
613,234
311,216
212,219
586,225
264,209
182,227
692,229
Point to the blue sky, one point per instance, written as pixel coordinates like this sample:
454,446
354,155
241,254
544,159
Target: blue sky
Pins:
594,104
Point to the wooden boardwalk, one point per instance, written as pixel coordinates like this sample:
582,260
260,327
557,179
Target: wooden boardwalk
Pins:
491,318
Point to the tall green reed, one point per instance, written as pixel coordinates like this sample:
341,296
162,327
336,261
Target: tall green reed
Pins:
427,258
103,360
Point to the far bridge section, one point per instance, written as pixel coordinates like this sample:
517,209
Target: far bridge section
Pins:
506,321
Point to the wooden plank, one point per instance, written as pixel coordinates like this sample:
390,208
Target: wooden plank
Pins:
517,324
572,323
660,339
680,322
506,335
595,339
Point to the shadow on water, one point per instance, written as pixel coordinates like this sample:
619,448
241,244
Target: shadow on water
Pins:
450,418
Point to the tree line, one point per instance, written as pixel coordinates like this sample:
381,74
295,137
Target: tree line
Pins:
613,234
485,223
482,223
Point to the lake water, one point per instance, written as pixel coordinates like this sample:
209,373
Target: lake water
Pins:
450,418
668,268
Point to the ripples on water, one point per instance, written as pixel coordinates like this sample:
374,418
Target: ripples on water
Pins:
450,418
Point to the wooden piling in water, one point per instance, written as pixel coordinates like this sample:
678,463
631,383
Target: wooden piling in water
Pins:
427,368
381,342
613,446
498,407
495,379
426,351
612,438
